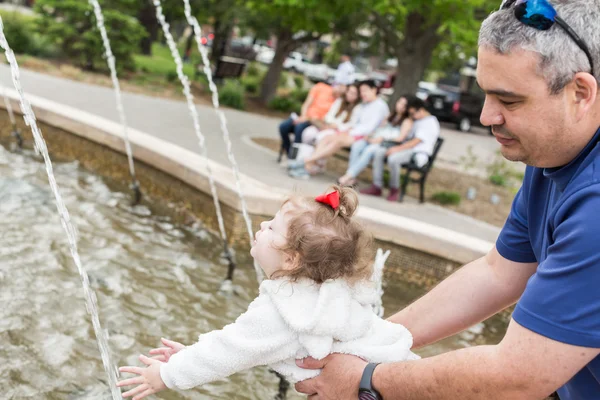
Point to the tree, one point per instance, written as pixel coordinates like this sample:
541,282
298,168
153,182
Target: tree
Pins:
71,25
294,23
414,29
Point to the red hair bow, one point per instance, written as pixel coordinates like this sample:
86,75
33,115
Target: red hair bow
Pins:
332,199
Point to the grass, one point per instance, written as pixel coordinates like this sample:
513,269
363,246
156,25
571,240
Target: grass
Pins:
161,63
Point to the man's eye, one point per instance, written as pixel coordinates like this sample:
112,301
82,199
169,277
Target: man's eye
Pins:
509,103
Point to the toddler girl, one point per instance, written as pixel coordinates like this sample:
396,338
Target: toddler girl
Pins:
317,299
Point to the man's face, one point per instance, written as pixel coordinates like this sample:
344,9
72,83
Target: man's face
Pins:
367,93
531,124
339,90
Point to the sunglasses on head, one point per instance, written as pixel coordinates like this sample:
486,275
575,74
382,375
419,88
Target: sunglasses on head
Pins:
541,15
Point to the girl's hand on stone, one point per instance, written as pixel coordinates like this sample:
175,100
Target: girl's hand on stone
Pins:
148,382
164,353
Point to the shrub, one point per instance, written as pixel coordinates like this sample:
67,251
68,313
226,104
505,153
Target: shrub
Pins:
285,104
300,95
299,82
232,94
172,76
250,84
252,70
283,80
498,180
447,198
19,32
71,26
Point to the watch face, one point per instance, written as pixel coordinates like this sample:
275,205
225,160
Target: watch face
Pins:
367,395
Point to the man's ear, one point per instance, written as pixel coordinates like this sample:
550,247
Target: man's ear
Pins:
585,94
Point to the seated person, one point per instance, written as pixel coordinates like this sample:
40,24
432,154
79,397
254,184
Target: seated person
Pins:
369,115
395,132
317,103
425,132
337,117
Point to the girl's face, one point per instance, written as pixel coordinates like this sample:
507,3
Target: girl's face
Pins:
401,105
269,239
351,94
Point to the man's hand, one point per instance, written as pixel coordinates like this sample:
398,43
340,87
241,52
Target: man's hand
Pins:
300,120
376,140
393,150
339,379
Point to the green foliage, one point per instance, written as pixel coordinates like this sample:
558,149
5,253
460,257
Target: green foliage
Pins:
172,76
19,32
231,94
285,104
251,84
252,70
498,180
71,26
447,198
283,80
299,82
299,95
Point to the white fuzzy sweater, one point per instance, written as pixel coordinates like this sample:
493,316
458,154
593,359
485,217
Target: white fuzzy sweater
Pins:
289,321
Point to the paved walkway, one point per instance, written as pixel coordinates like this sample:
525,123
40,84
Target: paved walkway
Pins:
170,120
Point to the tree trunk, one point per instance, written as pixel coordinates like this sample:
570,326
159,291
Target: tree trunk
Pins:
147,19
222,32
285,44
414,56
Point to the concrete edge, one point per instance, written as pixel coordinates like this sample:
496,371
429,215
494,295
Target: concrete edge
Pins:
261,198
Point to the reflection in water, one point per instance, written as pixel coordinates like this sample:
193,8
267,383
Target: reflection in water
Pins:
153,279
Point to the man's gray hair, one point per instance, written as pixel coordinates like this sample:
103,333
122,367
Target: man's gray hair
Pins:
561,57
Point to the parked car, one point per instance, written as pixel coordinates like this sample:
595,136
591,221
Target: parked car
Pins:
265,56
296,62
462,108
319,73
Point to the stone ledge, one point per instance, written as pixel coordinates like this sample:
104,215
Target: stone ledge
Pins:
261,198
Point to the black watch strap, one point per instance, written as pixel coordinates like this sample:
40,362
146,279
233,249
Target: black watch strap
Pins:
366,390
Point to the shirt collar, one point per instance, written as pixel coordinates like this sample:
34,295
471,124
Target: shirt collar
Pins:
561,176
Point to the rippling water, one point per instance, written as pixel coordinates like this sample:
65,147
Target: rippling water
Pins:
152,278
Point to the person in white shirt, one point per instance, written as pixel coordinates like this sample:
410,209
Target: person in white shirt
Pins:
337,117
367,117
345,71
426,130
394,132
318,298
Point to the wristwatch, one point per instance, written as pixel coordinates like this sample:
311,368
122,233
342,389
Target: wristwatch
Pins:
366,391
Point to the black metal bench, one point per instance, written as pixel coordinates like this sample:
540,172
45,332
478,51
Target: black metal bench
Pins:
422,171
228,67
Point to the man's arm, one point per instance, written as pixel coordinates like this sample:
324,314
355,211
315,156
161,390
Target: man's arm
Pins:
524,365
305,106
404,146
470,295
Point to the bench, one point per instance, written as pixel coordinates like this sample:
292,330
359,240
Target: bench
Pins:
228,67
422,172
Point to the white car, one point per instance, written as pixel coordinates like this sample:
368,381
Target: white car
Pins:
296,62
319,73
265,56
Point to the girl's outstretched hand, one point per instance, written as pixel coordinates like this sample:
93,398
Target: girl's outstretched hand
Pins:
148,382
164,353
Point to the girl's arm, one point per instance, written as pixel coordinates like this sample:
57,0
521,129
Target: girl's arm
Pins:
257,337
405,129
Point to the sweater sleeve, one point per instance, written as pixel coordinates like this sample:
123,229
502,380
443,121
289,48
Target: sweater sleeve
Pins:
258,337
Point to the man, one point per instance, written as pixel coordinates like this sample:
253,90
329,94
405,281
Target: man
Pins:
345,71
317,103
544,108
425,131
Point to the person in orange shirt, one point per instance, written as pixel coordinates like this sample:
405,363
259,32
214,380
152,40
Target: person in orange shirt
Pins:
315,107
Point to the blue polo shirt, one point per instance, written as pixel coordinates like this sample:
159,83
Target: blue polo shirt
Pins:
555,221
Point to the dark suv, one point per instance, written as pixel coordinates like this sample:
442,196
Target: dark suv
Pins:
449,103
